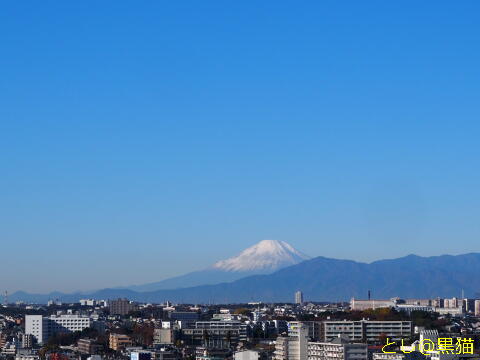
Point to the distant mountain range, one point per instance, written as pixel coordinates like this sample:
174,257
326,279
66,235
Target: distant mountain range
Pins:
265,257
320,279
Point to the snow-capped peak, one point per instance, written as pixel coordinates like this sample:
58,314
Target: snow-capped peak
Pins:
267,255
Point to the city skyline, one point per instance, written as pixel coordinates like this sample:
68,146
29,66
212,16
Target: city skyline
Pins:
145,141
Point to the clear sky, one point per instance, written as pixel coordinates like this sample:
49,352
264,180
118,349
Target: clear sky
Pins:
145,139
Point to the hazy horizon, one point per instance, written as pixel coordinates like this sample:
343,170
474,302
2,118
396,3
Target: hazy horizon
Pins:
142,282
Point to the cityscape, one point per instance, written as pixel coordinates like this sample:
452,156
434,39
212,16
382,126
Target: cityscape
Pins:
239,180
303,328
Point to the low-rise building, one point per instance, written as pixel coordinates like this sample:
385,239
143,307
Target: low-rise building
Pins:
88,346
338,349
216,334
119,342
371,304
249,355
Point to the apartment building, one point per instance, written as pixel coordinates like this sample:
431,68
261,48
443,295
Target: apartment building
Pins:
119,342
216,334
88,346
338,349
314,329
121,306
164,336
292,347
42,327
366,330
299,348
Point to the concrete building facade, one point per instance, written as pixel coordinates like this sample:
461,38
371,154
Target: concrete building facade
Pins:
42,327
366,330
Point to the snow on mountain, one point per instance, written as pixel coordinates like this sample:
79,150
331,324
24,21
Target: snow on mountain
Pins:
265,255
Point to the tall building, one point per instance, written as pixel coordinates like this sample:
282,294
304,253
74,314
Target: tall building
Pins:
477,307
314,329
121,306
42,327
469,305
452,303
298,297
292,347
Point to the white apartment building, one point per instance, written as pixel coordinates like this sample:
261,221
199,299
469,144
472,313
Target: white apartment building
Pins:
454,311
338,349
314,328
299,348
220,327
42,327
292,347
366,330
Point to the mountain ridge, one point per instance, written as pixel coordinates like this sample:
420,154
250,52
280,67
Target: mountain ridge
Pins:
326,279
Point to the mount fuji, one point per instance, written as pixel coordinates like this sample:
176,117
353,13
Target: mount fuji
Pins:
265,257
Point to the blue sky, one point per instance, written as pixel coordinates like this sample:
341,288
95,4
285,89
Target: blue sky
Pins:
143,140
